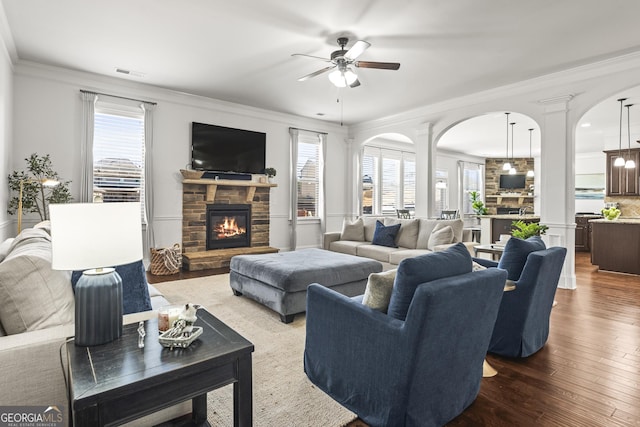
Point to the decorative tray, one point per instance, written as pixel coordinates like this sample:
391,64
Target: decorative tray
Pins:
181,342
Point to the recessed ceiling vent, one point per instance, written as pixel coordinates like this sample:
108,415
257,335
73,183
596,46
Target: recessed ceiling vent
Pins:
130,72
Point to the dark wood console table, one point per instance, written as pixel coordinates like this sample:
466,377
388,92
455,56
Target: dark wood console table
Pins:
118,382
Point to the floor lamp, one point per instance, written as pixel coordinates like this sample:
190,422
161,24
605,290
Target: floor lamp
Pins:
96,237
44,182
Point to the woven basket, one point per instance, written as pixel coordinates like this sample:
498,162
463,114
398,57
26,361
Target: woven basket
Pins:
191,174
166,261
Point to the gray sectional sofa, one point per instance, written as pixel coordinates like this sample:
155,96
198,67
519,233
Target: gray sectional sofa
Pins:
415,237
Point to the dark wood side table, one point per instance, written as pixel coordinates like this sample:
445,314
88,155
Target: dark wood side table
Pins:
118,382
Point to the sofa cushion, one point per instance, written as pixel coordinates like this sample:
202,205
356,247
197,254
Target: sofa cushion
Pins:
33,295
135,289
408,234
385,236
353,230
515,255
378,291
369,227
441,235
346,246
427,226
380,253
415,271
397,256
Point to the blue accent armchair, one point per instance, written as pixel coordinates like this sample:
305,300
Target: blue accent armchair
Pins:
423,371
522,327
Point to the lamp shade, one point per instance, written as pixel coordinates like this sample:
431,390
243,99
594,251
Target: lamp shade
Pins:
95,235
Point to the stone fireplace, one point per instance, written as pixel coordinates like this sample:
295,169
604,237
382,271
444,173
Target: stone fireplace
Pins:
207,202
228,226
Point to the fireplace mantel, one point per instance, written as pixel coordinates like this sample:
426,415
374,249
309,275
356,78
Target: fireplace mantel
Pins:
212,186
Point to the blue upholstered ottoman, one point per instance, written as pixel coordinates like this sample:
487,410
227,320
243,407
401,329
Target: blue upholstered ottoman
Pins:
280,280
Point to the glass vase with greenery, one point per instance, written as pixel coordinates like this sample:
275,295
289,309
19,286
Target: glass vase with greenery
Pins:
36,195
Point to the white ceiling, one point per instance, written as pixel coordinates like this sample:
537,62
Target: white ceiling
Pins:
240,51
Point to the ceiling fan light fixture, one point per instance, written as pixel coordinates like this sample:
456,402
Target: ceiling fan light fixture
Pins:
343,77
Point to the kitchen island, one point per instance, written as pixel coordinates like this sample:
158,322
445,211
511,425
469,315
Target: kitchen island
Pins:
615,245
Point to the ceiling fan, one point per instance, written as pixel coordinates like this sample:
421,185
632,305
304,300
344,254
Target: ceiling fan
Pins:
342,61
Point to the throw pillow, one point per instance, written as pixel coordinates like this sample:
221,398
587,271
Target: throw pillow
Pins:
135,289
353,231
415,271
377,294
440,236
477,267
515,255
408,233
385,236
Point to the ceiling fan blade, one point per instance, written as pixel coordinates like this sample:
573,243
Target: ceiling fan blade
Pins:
355,84
316,73
311,56
357,49
379,65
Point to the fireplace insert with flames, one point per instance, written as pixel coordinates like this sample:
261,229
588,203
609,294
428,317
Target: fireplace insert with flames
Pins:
228,226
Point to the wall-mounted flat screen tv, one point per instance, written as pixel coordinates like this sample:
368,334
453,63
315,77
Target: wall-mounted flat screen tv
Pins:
222,149
513,181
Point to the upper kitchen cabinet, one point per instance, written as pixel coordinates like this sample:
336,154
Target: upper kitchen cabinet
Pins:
622,181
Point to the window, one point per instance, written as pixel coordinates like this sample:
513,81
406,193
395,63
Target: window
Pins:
472,180
118,154
308,169
442,191
388,181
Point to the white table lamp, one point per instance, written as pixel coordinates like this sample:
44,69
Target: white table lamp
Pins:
96,237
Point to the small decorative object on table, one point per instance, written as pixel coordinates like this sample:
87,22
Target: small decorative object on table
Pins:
191,174
141,334
182,332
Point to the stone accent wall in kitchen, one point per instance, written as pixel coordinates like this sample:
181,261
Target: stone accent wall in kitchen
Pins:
493,170
629,206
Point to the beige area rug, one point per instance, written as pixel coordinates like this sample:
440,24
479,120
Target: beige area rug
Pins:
282,394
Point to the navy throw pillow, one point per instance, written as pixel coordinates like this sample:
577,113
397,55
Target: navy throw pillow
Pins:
415,271
515,255
385,235
135,290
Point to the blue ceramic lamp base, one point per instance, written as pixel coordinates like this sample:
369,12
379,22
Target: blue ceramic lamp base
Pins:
99,307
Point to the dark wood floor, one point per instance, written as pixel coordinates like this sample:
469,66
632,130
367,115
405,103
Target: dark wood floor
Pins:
588,373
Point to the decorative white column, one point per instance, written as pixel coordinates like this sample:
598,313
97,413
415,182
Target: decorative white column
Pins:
425,170
557,182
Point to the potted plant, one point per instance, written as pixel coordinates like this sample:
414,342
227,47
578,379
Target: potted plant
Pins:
476,204
524,230
32,184
270,172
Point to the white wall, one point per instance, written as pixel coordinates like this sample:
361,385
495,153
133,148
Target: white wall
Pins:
590,163
6,138
47,119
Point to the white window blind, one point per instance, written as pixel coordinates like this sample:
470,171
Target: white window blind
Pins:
118,155
308,171
472,180
388,180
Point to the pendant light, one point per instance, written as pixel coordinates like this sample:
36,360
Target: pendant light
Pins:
630,164
512,169
530,173
507,165
620,160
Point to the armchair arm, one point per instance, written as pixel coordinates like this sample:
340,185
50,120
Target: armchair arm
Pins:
329,238
351,347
